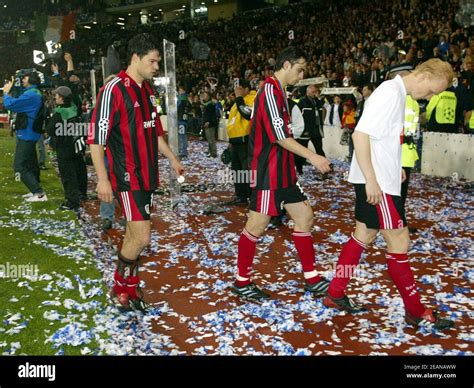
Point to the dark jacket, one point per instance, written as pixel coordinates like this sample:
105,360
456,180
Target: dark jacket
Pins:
331,113
313,121
75,88
359,110
57,128
184,108
209,114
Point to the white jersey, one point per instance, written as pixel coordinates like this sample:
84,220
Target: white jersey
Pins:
382,120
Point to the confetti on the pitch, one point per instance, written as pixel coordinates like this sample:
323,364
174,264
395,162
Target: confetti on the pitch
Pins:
188,272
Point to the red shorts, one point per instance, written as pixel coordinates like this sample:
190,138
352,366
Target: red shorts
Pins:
136,205
271,202
388,214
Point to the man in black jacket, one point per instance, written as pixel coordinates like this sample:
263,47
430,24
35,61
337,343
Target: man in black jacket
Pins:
209,120
64,131
311,108
184,112
72,81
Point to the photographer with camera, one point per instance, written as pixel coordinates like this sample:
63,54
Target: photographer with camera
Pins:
27,107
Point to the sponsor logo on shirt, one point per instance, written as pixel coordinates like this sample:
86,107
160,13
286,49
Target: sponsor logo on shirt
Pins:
149,124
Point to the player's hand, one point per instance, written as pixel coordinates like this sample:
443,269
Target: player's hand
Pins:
7,87
177,167
321,163
104,190
373,191
404,175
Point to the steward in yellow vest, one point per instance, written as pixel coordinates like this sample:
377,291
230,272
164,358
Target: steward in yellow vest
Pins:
441,113
238,129
410,129
409,154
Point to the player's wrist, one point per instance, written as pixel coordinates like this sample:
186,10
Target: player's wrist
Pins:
371,179
315,157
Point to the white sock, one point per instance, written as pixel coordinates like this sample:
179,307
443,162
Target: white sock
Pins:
309,275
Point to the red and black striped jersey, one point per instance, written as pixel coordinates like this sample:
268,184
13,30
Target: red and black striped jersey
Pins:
126,122
272,166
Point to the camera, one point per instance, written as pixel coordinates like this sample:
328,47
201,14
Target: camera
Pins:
36,78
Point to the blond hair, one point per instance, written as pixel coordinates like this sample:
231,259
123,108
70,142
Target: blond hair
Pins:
437,68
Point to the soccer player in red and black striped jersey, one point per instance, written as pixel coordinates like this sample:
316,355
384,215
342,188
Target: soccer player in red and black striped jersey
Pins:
126,123
271,149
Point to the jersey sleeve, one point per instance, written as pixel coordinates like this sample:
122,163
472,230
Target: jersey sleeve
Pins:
377,108
103,115
159,127
273,117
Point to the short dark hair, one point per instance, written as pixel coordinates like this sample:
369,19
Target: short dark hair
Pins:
33,78
244,83
141,45
290,54
370,87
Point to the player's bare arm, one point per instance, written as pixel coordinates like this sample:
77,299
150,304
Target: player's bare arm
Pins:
362,150
166,151
320,162
104,188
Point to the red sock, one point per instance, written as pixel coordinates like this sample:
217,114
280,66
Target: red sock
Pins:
348,260
400,271
126,276
304,245
247,247
132,285
120,286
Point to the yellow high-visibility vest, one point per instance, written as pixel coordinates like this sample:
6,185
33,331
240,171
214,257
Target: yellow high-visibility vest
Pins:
237,126
410,127
445,104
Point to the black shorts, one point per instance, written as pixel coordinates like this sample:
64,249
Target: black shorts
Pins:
388,214
136,205
271,202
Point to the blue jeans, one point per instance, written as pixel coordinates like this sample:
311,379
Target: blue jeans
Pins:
107,210
25,165
41,151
